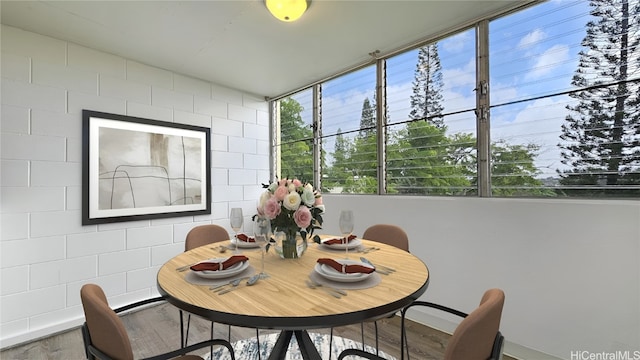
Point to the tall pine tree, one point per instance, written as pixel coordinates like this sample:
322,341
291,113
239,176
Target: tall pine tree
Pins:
364,155
426,101
419,162
601,135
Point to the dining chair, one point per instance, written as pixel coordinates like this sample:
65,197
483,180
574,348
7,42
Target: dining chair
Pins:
388,234
105,336
391,235
477,337
196,237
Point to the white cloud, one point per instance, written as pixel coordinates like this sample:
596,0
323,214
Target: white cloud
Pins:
462,76
531,38
457,42
549,61
539,123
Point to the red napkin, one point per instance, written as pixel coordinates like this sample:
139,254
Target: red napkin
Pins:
245,238
214,266
338,240
346,269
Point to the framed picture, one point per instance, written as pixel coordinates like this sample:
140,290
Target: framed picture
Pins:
134,169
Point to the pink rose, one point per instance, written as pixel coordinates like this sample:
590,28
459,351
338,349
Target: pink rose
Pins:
318,201
271,208
297,183
283,182
281,192
302,217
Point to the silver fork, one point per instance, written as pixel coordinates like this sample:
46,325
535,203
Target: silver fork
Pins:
327,290
317,284
185,267
252,280
233,283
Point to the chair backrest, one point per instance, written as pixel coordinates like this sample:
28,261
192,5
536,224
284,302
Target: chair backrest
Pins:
474,337
388,234
205,234
106,330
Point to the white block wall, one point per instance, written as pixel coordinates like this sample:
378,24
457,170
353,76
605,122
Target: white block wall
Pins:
569,268
46,254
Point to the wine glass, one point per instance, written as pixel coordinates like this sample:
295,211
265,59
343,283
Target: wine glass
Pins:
346,228
236,220
262,236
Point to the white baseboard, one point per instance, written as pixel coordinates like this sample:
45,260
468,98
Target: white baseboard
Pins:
512,349
41,333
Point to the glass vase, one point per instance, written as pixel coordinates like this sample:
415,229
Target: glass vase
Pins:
290,245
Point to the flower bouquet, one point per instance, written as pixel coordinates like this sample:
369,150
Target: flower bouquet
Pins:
294,208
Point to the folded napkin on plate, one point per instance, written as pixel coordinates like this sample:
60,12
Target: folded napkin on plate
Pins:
340,240
346,269
245,238
215,266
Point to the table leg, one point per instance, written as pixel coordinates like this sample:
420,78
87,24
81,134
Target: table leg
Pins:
282,344
307,347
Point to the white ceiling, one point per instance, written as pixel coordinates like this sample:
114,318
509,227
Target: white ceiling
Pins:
238,43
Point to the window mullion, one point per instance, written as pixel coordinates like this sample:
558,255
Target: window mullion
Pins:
381,123
317,135
482,109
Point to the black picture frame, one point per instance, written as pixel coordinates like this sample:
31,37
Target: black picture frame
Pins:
136,169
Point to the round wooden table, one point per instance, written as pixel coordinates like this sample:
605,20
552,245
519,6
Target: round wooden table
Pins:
285,302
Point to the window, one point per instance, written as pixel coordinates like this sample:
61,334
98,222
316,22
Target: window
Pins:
565,111
294,147
431,120
349,137
562,111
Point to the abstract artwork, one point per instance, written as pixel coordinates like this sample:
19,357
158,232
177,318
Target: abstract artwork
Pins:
136,168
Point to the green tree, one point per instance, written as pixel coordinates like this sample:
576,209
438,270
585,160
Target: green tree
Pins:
426,100
296,142
420,156
513,171
337,174
364,154
601,134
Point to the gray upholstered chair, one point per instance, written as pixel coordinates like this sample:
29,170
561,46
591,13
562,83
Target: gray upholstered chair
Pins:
196,237
477,337
105,335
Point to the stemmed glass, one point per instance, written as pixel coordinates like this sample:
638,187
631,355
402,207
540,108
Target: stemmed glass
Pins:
236,220
346,228
262,235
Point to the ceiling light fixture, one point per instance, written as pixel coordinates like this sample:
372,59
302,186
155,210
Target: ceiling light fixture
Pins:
287,10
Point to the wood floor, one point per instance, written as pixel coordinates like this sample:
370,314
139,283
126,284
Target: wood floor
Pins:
155,330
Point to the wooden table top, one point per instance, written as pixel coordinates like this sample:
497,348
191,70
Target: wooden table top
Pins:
283,301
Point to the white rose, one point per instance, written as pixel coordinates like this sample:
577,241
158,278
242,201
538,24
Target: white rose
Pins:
263,199
272,187
292,201
308,186
308,198
291,188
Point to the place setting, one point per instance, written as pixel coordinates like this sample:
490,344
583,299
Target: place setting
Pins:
344,273
245,241
218,271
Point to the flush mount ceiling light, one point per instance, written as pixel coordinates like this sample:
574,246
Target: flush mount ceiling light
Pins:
287,10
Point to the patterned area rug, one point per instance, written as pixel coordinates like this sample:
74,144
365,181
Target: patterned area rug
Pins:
248,349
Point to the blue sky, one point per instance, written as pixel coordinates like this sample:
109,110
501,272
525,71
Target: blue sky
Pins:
533,53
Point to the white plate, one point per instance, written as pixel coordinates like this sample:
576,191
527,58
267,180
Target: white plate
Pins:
244,244
220,274
351,244
332,274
